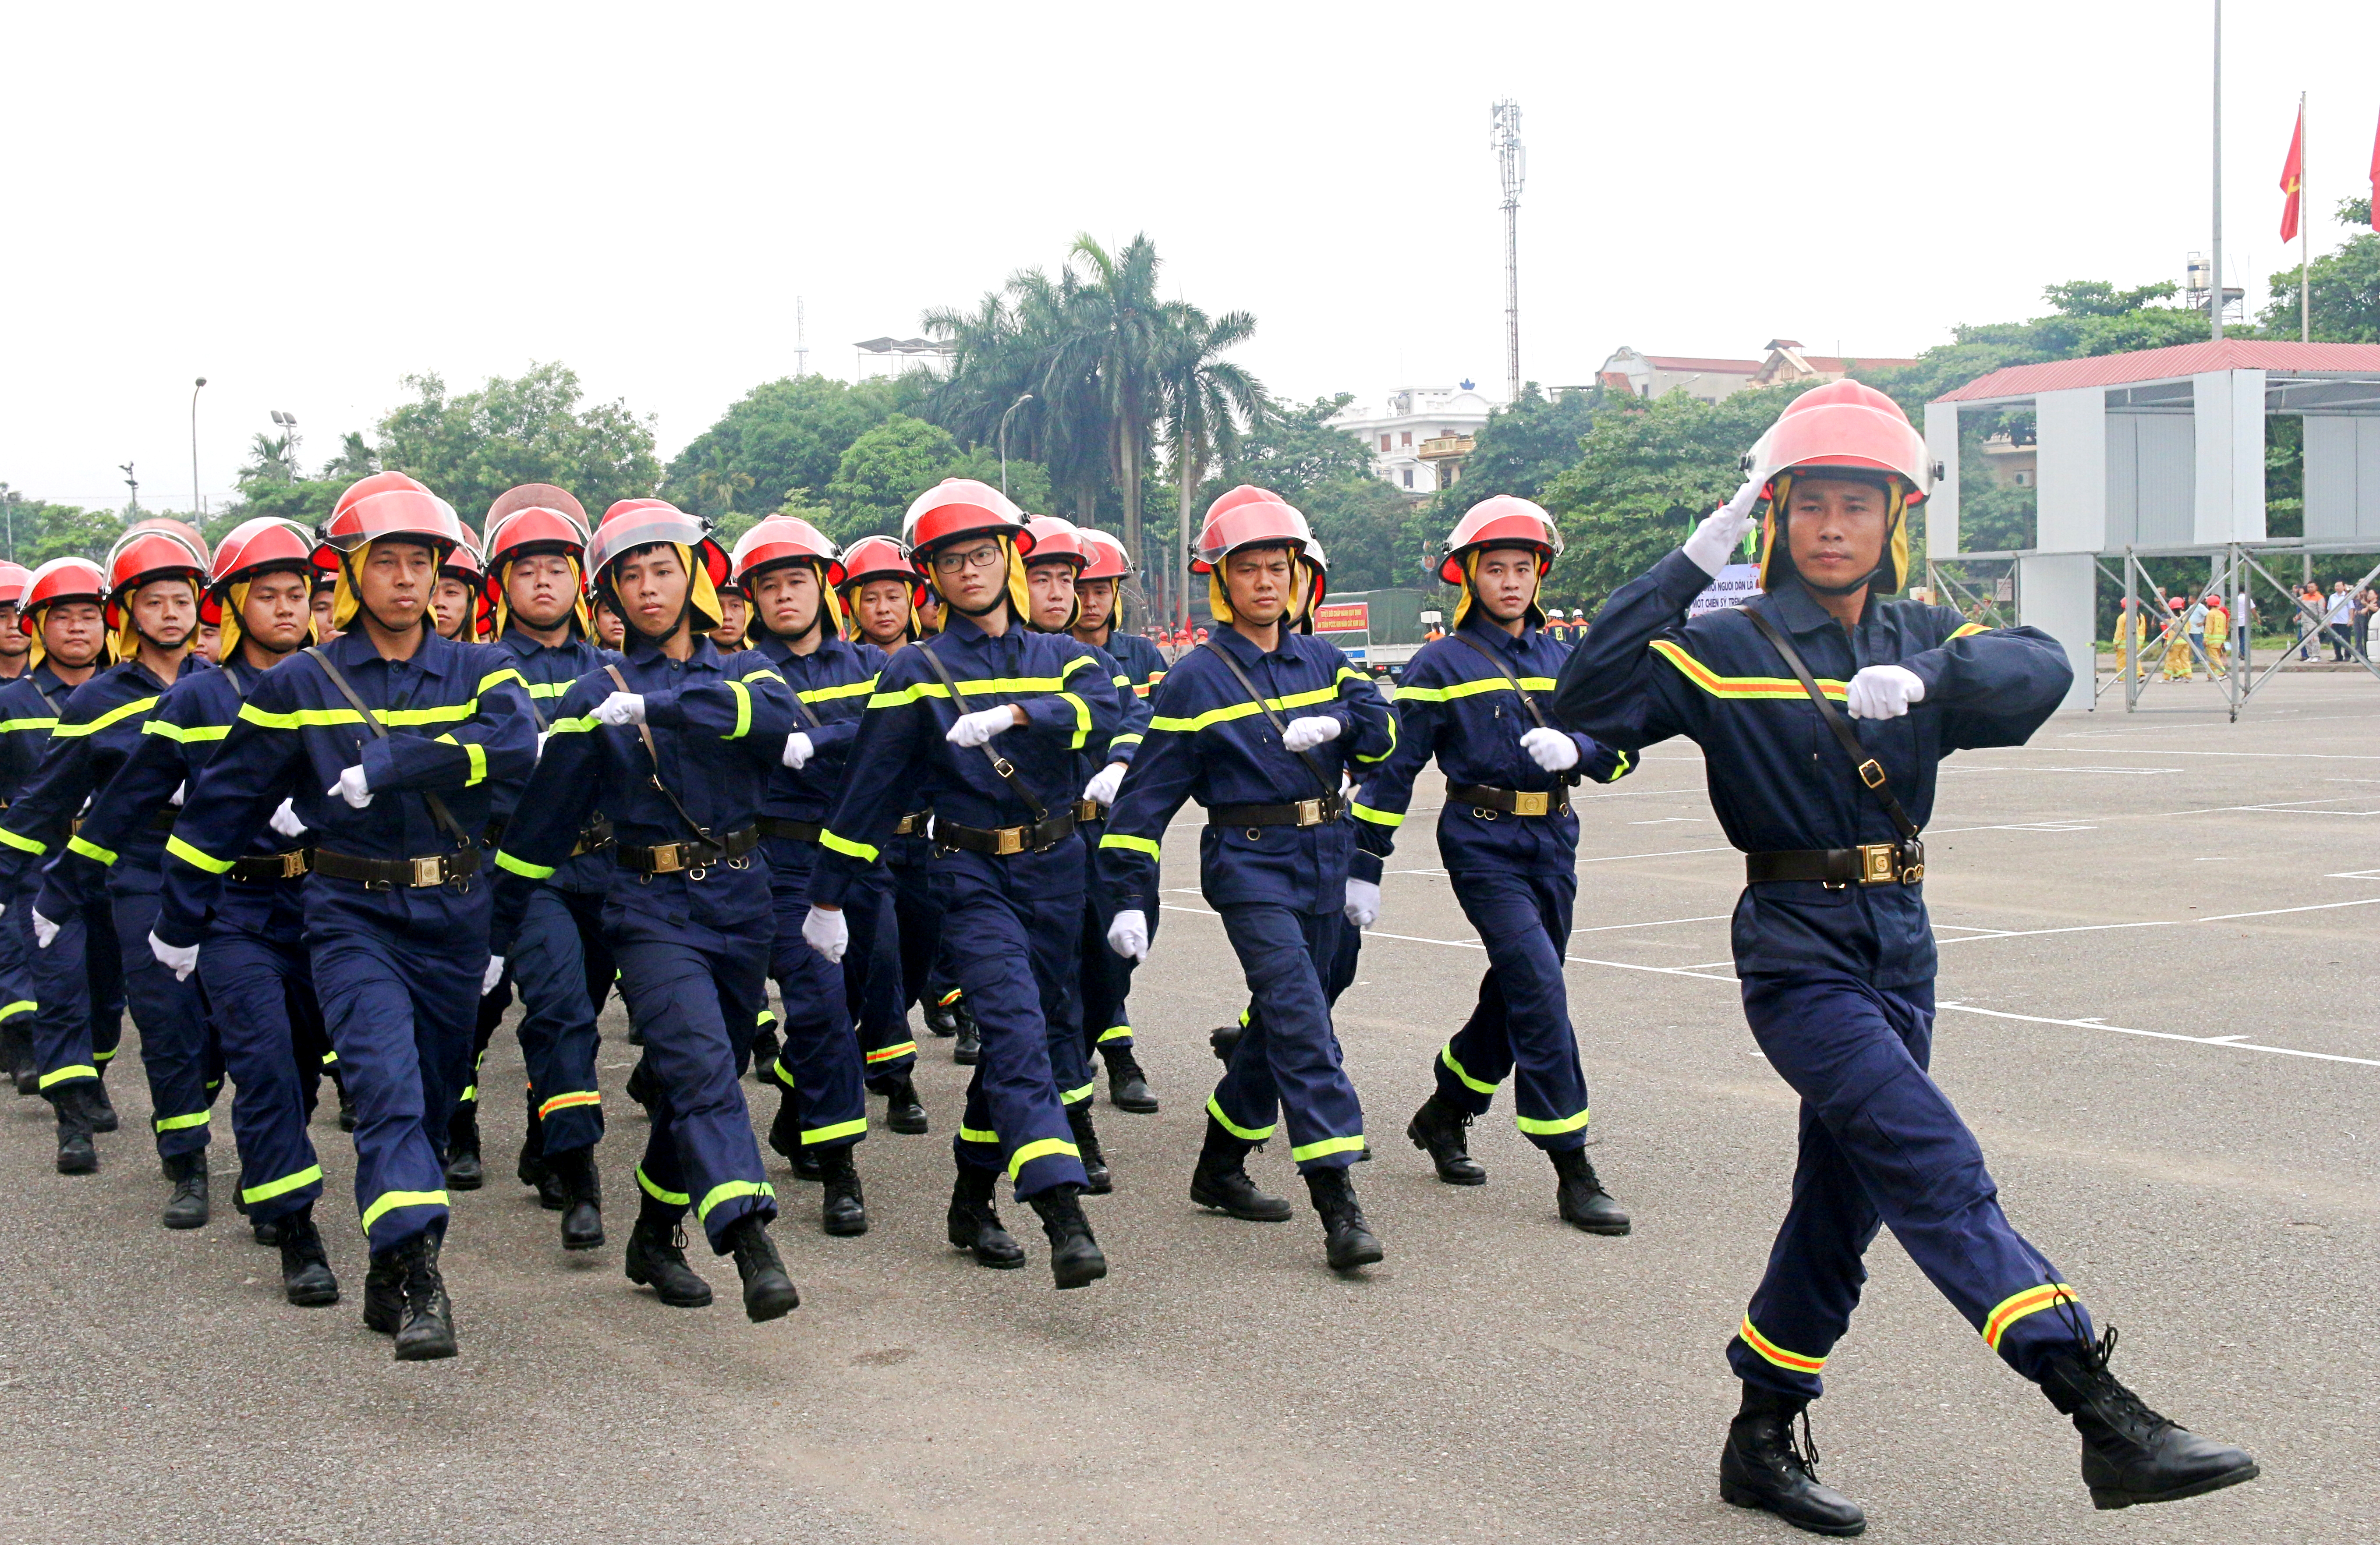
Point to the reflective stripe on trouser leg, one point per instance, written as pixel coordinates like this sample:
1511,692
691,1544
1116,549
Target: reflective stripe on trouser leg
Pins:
1881,1144
1008,934
65,1047
172,1018
819,1060
1287,1056
1521,1026
251,982
697,992
400,1011
550,970
871,980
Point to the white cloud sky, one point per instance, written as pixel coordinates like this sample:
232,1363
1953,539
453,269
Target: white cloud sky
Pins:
304,203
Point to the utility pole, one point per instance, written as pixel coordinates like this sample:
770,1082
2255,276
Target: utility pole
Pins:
801,342
134,484
1013,407
2215,303
2306,228
1512,165
197,514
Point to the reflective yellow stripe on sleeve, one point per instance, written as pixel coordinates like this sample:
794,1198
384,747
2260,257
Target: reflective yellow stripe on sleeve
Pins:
185,733
1134,844
2016,1306
1377,817
1792,1361
728,1190
114,715
190,856
1046,1147
389,1201
22,845
1755,689
91,851
743,710
522,868
473,753
848,849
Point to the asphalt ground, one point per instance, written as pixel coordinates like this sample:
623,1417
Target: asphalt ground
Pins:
2158,1014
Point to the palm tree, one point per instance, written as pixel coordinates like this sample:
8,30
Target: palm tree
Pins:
1113,336
1205,396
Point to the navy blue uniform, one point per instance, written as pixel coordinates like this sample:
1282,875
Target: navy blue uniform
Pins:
29,711
996,912
1516,876
99,728
821,1065
1839,982
397,969
693,945
558,960
1281,890
258,982
1107,976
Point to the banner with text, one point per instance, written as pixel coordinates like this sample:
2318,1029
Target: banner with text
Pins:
1736,584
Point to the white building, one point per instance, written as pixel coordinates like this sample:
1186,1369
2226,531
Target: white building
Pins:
881,356
1418,435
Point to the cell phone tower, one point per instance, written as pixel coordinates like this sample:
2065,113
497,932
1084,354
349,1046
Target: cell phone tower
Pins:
1512,164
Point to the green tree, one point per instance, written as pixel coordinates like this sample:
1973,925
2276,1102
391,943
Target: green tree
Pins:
531,427
1118,324
32,531
1290,448
783,438
900,458
1520,448
2345,285
1207,399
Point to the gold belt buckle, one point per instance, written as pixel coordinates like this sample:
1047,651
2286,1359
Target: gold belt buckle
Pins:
668,857
431,870
293,864
1309,813
1090,809
1008,840
1877,863
1525,803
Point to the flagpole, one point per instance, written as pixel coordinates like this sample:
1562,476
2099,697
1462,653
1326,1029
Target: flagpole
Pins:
2305,235
2215,299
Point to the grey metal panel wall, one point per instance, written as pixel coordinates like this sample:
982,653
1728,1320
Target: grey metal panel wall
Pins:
2342,479
2151,479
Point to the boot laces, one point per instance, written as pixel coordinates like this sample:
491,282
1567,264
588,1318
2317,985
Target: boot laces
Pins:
2116,1398
1804,1454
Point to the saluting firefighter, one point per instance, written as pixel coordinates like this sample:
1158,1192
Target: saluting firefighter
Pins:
61,618
1058,555
1260,725
389,744
674,746
253,962
982,722
790,571
155,572
1478,701
559,961
1107,976
1832,942
884,600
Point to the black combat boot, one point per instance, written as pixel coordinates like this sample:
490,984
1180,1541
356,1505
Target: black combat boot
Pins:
76,1153
975,1222
765,1046
2131,1454
768,1292
17,1054
902,1112
969,1048
306,1278
532,1167
1096,1179
1441,1131
1763,1468
385,1292
785,1129
641,1085
346,1103
426,1330
101,1110
656,1258
1221,1181
938,1017
1347,1239
1127,1084
463,1171
267,1233
186,1208
1583,1202
582,1197
1224,1040
844,1211
1075,1259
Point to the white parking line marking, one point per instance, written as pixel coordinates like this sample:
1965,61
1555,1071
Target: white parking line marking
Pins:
2235,1042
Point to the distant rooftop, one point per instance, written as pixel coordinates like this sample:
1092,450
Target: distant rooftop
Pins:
2161,364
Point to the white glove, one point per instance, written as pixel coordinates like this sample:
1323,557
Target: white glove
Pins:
798,750
45,930
351,788
179,789
1715,541
827,932
974,729
173,957
621,707
1128,935
285,821
1550,750
543,737
1104,783
1362,903
492,974
1305,734
1884,691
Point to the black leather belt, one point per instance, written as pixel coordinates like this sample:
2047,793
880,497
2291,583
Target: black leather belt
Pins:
1509,801
592,838
1002,841
670,856
279,866
1305,812
1088,811
914,825
1876,863
794,831
409,874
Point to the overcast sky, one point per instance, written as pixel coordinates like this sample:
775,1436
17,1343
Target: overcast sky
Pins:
304,203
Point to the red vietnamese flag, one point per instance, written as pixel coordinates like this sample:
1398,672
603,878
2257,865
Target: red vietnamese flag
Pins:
2293,178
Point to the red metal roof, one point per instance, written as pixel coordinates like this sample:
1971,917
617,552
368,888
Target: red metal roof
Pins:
2163,364
1721,367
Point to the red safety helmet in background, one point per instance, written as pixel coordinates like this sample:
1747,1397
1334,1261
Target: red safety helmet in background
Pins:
13,581
1502,521
1108,558
880,558
1056,541
379,482
254,547
957,508
528,529
1249,516
524,496
59,579
152,548
785,539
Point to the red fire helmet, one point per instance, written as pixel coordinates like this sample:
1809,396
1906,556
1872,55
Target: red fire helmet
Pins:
529,529
13,579
153,549
1849,425
1057,541
880,558
524,496
59,579
785,539
1108,558
413,515
379,482
956,508
1502,521
1249,516
634,523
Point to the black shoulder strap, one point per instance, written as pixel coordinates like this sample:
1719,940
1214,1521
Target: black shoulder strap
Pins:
1000,764
1870,771
43,696
807,711
1322,775
1489,655
645,734
438,810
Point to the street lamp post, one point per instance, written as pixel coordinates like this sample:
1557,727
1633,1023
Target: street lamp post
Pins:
196,513
133,483
1022,399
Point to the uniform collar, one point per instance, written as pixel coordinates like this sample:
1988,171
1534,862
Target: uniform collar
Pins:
958,625
781,653
352,649
526,648
641,649
1241,649
1798,611
1487,632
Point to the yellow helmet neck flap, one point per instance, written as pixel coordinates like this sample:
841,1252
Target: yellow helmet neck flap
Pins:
1891,571
1300,585
1535,612
580,613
